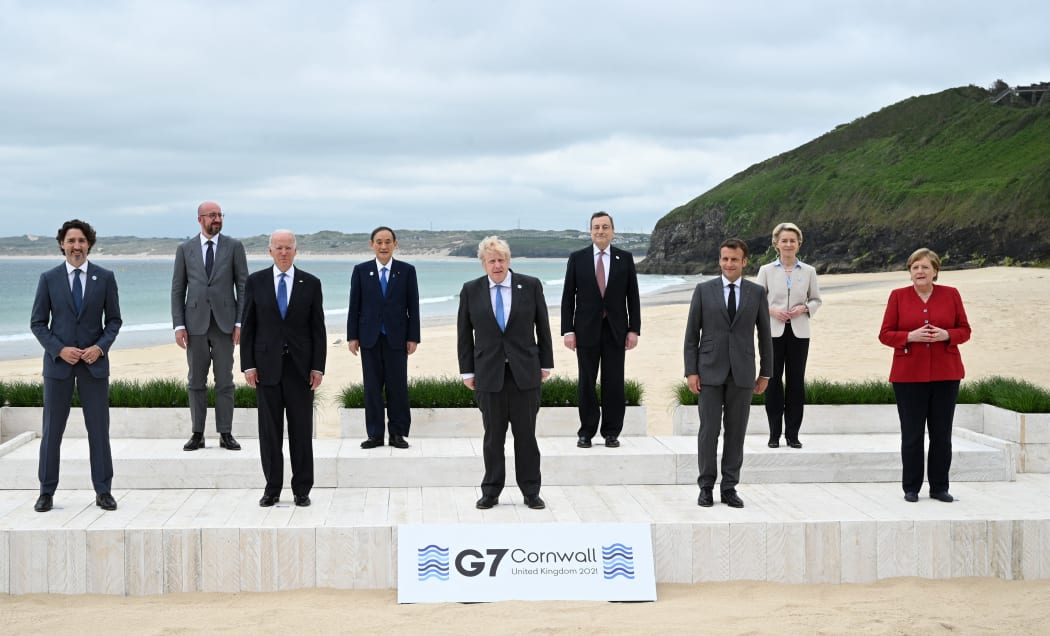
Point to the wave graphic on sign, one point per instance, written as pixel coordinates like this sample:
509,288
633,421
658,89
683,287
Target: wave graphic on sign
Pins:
432,563
617,560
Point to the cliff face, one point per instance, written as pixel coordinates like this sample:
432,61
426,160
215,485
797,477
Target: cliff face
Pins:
953,171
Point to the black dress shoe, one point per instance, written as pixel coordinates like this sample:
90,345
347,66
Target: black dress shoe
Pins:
372,442
105,501
196,441
794,443
583,442
486,502
43,503
911,497
397,441
730,498
706,499
942,496
302,500
226,441
534,502
269,500
774,443
612,442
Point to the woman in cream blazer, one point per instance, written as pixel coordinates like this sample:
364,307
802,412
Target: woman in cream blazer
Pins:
794,296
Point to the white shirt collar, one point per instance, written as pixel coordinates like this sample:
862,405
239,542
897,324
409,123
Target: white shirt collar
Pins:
726,281
505,283
204,240
277,272
389,266
70,268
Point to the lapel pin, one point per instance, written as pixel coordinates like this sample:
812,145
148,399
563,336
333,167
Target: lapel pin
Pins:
519,286
94,278
617,257
371,273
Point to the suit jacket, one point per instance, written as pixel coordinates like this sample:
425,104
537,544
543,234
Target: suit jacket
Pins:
920,361
55,322
265,336
714,346
582,304
804,290
397,312
525,344
195,297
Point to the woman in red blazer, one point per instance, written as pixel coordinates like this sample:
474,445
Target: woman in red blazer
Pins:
925,324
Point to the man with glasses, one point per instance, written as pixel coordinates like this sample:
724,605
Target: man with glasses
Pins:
207,300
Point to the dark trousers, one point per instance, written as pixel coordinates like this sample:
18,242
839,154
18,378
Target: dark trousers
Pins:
786,398
519,408
213,349
292,397
609,354
721,405
922,406
385,368
58,400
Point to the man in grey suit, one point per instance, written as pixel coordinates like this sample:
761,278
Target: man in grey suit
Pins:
724,316
505,353
76,318
207,300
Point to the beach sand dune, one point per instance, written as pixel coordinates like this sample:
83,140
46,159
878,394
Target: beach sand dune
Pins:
1005,307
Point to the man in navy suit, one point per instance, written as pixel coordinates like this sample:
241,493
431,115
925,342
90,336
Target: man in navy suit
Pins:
726,316
383,324
76,318
283,356
503,338
601,320
207,300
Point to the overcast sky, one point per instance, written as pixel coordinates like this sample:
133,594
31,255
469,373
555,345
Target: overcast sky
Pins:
437,114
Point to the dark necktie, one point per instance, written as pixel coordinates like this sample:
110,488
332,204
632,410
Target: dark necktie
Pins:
282,296
78,291
209,258
732,302
599,273
382,286
500,320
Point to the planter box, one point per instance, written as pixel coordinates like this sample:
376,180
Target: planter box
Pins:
834,419
160,423
466,422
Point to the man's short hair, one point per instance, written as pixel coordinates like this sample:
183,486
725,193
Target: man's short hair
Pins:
493,244
83,226
734,244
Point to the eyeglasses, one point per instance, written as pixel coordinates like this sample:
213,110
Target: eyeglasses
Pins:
213,216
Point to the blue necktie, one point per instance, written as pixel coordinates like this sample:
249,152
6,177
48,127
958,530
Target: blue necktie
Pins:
209,258
282,296
499,308
78,291
382,280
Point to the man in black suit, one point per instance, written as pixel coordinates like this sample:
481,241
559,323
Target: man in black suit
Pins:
505,353
383,324
207,300
725,316
283,357
76,318
601,320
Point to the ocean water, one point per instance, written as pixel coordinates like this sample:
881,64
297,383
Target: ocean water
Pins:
145,293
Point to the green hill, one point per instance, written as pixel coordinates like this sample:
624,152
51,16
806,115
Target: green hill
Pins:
952,171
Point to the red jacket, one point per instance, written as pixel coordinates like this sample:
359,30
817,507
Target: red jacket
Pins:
918,361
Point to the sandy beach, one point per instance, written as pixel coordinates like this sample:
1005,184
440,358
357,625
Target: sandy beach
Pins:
1006,341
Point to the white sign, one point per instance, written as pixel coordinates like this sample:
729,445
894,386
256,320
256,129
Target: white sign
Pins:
439,563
